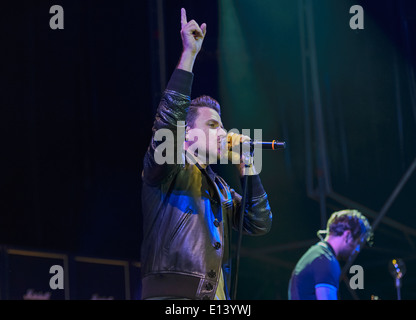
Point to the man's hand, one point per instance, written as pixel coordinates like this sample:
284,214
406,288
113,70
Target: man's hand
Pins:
192,34
192,38
244,165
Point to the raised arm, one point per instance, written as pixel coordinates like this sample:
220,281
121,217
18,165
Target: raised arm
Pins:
174,103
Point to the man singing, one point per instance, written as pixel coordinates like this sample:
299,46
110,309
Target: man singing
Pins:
188,210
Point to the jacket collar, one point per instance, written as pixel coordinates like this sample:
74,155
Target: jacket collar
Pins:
208,170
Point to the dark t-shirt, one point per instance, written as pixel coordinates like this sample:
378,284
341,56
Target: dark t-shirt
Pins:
317,267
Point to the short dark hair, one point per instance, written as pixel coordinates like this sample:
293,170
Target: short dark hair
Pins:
202,101
352,220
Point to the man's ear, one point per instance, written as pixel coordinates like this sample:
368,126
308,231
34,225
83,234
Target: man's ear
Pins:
347,236
187,128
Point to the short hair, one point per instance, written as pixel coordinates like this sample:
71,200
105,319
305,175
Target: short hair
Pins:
352,220
202,101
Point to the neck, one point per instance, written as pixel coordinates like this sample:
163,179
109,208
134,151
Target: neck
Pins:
334,244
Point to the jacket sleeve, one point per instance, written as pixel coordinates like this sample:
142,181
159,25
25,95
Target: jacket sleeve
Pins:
257,213
172,108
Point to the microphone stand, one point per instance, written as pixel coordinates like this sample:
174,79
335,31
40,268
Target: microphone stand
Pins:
240,229
240,236
274,144
398,286
397,269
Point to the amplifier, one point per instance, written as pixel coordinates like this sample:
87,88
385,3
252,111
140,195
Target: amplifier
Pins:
99,279
27,274
34,275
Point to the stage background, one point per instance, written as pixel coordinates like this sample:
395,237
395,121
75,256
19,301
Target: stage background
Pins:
77,106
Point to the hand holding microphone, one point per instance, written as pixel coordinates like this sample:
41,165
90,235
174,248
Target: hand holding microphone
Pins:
239,153
241,150
233,140
235,149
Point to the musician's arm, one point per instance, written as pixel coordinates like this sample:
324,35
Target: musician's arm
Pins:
326,292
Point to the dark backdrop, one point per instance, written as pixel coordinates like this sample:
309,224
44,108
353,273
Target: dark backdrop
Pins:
75,117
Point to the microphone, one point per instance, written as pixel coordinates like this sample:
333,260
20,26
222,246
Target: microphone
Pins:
267,145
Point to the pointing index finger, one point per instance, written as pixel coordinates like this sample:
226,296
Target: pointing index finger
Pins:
184,20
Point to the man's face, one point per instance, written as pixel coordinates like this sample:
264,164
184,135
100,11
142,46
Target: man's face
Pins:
210,131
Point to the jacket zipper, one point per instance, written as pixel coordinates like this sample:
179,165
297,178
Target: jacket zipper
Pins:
179,226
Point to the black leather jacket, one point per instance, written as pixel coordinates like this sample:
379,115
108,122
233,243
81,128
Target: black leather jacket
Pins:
188,213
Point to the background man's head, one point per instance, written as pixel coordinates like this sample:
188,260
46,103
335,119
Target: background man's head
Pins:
349,229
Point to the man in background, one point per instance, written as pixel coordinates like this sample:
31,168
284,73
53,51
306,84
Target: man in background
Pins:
316,276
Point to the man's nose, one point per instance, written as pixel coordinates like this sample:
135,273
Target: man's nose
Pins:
222,133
